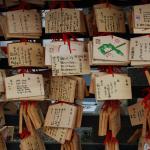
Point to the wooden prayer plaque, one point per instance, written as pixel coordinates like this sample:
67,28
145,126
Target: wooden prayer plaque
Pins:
62,89
61,115
109,19
136,113
112,87
24,86
26,54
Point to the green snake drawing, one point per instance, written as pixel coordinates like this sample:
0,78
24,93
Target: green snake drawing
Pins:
102,49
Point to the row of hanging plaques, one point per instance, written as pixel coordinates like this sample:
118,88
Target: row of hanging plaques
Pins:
77,58
104,18
31,86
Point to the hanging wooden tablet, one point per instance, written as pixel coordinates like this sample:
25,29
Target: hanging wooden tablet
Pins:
24,22
58,134
53,21
139,51
2,143
111,142
64,20
115,121
2,78
135,136
90,22
70,65
59,47
94,62
80,87
110,87
112,145
24,86
21,119
109,18
139,20
79,116
27,120
35,114
110,48
141,143
141,16
63,62
74,144
136,113
145,125
1,32
69,134
32,140
2,117
3,25
21,24
76,141
92,82
129,16
62,89
103,122
25,54
140,63
61,115
46,87
148,121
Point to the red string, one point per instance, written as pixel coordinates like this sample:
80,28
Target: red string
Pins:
107,4
105,105
109,70
62,5
34,103
110,138
146,99
67,39
103,33
65,36
23,40
25,105
25,133
74,37
114,104
114,140
4,49
55,37
22,71
148,136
